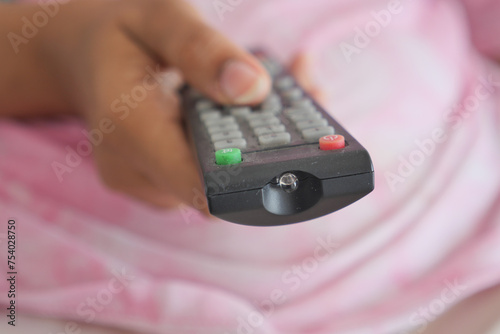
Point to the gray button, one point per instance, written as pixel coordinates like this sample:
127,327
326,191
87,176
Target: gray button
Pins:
203,105
293,94
303,103
265,130
272,67
314,134
210,115
312,123
221,121
230,143
305,116
240,111
285,82
299,110
259,115
221,128
272,104
273,96
257,123
272,99
226,135
275,139
271,108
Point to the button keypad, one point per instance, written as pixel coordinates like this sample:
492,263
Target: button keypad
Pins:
287,117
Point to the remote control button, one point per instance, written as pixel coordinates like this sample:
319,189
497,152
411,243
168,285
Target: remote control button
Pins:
276,109
265,130
210,115
226,135
306,116
312,123
302,110
332,142
273,107
221,121
293,94
259,115
230,143
228,156
203,105
285,83
273,97
309,116
221,128
303,103
257,123
275,139
240,111
314,134
271,66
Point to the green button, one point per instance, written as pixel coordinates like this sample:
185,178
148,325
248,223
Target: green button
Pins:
228,156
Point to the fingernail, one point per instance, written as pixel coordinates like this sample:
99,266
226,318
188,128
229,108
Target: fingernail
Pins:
241,83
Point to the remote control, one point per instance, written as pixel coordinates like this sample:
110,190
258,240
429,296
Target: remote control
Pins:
281,162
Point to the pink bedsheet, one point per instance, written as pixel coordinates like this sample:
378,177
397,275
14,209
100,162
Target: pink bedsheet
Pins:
415,91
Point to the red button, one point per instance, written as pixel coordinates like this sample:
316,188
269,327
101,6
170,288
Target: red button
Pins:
331,142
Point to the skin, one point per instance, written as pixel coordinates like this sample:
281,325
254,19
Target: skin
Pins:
93,52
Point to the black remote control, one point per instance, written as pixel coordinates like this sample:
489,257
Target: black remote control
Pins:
281,162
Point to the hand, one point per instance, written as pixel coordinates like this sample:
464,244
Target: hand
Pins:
103,59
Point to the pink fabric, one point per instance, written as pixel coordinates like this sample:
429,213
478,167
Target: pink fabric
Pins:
369,268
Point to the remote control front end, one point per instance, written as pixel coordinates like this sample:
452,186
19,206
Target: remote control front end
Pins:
281,162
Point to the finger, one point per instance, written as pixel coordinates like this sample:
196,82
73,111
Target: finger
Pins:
175,33
301,69
318,95
148,131
118,175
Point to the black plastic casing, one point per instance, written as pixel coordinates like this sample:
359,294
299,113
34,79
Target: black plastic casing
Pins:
248,193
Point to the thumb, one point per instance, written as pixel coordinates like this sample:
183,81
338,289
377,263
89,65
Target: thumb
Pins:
177,35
